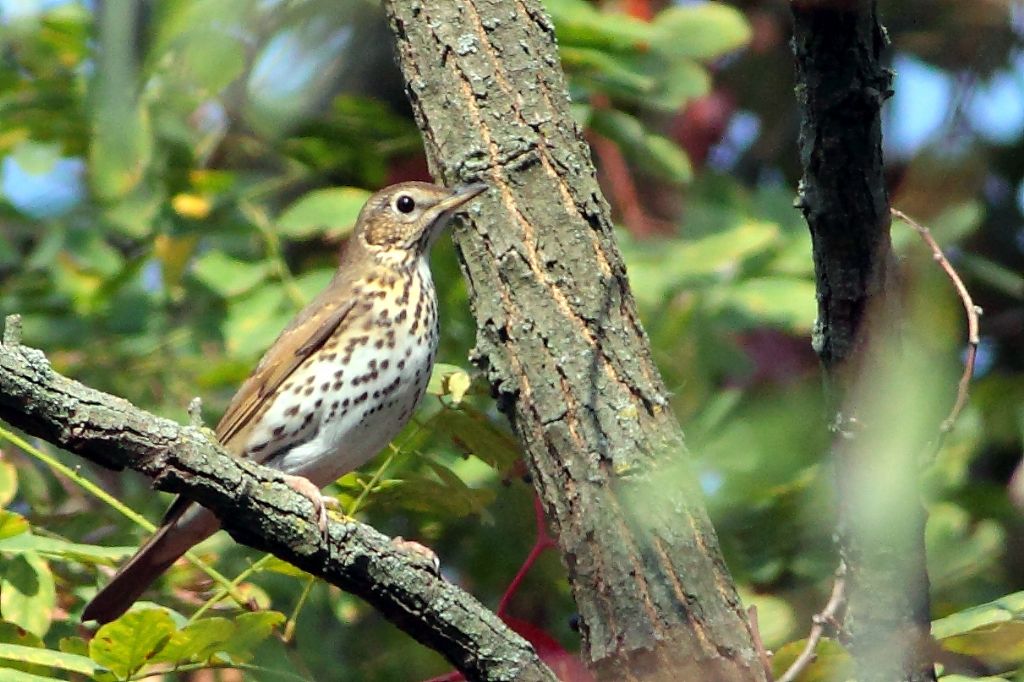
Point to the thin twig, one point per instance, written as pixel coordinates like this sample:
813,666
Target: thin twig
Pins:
973,315
827,616
755,632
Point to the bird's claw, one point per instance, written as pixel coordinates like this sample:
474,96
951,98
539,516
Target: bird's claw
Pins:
421,552
321,502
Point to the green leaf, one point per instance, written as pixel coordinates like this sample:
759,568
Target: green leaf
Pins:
610,69
228,276
8,482
332,212
197,641
831,662
477,435
11,633
254,322
130,642
666,160
55,548
276,565
703,31
578,23
212,59
438,377
74,645
36,158
313,282
775,617
449,495
787,302
12,524
250,630
27,593
21,676
998,645
659,268
1001,610
655,154
49,658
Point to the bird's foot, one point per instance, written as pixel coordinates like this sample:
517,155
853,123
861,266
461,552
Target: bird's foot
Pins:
321,502
421,552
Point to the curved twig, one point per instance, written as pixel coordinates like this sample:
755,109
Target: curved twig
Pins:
826,617
973,315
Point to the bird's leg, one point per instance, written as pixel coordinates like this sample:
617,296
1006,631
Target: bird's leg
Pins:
310,491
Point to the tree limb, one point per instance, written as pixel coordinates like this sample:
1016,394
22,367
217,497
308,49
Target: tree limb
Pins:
841,85
259,510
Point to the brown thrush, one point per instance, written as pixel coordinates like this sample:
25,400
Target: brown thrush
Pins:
338,383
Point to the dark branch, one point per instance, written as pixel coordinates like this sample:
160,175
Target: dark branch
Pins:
259,510
841,85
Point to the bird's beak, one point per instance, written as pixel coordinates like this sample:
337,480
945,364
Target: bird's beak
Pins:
461,195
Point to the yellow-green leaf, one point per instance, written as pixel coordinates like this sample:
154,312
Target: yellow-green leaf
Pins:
703,31
8,482
48,657
197,641
228,276
130,642
331,211
12,524
27,593
250,630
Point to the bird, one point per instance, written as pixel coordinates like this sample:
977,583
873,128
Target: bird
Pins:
339,382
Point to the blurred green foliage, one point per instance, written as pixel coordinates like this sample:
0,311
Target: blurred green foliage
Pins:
178,176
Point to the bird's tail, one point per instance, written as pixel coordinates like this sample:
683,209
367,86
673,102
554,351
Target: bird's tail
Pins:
174,537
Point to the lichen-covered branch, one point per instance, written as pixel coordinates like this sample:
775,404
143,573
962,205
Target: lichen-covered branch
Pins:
562,346
841,85
258,509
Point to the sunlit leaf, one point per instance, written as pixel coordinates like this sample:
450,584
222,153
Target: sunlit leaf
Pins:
130,642
331,211
998,645
228,276
11,633
787,302
578,22
701,31
250,630
1001,610
254,321
174,254
49,658
55,548
313,282
831,661
476,435
197,641
37,158
27,593
655,154
8,483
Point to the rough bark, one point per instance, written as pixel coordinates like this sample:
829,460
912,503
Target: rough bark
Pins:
259,510
841,85
560,342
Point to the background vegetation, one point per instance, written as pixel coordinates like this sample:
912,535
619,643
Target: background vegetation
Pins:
177,178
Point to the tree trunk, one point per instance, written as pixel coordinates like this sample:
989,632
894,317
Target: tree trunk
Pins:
563,348
841,85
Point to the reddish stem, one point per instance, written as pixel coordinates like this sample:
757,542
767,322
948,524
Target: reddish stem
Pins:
544,542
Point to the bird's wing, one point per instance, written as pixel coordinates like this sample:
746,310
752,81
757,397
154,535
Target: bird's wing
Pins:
304,336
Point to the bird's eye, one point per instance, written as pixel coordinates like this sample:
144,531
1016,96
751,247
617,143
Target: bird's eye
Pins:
405,203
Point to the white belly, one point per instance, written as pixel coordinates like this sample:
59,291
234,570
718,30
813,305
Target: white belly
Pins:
355,406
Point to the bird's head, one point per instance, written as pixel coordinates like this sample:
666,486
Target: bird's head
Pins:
401,222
